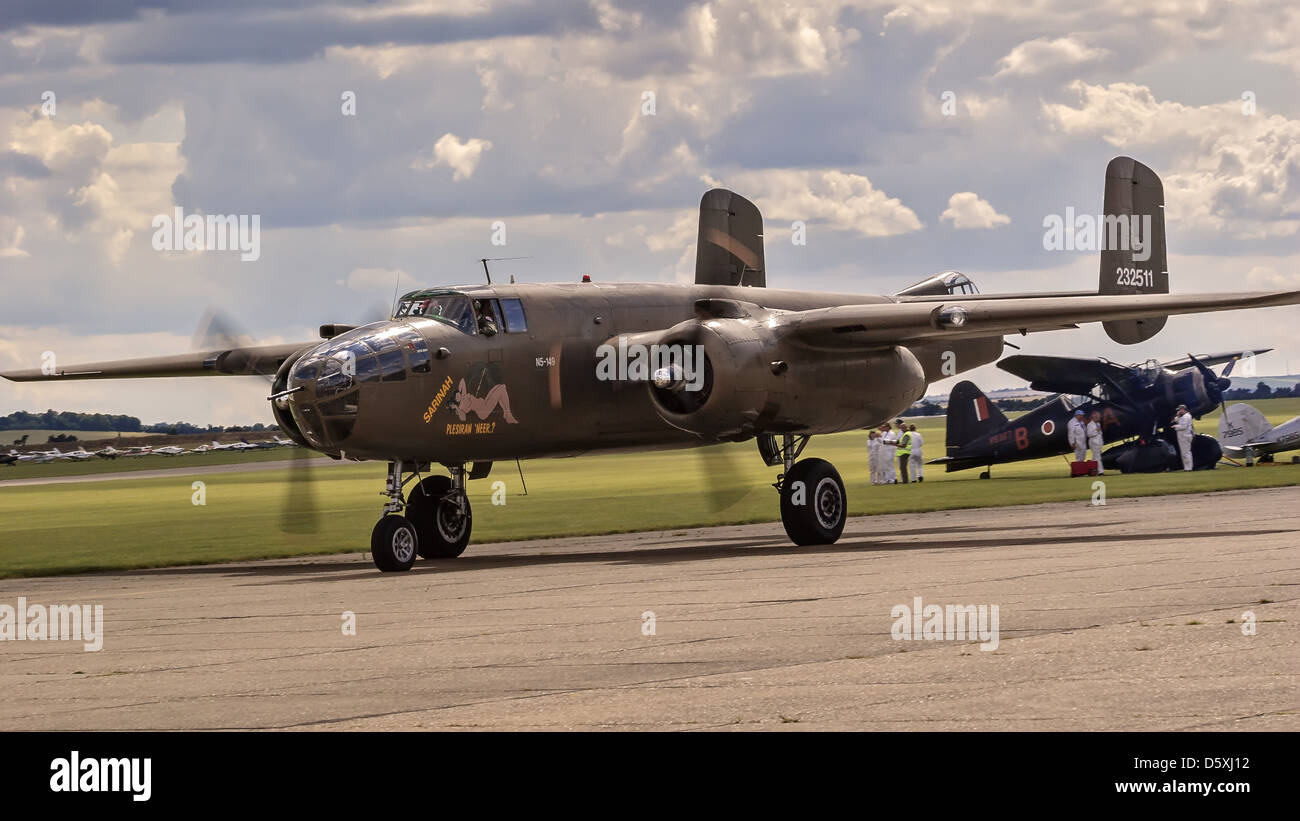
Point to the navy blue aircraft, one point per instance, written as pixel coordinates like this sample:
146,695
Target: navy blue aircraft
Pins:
1136,402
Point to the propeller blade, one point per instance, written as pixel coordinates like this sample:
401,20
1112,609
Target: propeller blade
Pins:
1213,382
722,475
299,514
217,329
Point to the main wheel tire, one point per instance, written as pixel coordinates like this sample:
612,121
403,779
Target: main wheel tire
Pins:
814,506
394,543
444,530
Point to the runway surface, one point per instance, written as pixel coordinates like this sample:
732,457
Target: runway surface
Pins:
1124,617
163,473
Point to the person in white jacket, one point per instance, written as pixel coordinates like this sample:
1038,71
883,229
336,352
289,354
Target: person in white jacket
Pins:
1077,435
1095,437
914,464
873,456
888,449
1183,427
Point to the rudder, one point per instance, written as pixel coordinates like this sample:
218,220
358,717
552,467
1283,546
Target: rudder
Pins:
729,250
971,414
1132,238
1242,424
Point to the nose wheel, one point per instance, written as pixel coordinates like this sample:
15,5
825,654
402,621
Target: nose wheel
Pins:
393,543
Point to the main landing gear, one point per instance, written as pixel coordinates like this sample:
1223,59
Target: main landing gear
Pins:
814,506
433,522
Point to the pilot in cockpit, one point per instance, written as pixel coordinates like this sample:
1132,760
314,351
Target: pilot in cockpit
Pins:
487,321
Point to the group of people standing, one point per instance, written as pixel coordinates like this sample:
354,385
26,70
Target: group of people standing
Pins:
888,446
1084,433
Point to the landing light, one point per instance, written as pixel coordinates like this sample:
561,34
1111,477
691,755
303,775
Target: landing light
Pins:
954,317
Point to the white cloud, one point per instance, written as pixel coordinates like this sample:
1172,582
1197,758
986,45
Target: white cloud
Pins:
966,210
1034,56
11,238
378,280
461,156
846,202
493,100
106,181
1231,173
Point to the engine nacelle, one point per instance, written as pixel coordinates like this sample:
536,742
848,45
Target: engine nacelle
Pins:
754,382
1190,387
280,408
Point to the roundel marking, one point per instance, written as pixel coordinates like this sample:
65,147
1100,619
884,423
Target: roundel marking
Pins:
1048,427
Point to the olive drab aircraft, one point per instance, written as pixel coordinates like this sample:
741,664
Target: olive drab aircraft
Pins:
1134,401
462,377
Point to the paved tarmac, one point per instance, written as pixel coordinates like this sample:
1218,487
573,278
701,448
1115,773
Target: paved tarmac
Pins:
163,473
1123,617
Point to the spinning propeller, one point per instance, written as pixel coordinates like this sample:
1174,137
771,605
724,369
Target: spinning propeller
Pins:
298,514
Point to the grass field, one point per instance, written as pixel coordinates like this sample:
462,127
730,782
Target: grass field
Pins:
153,522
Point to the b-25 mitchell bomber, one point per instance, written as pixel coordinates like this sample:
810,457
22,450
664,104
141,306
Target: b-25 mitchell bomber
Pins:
466,376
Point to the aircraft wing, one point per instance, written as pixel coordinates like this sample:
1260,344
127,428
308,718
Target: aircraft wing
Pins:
244,361
894,323
1210,359
1063,374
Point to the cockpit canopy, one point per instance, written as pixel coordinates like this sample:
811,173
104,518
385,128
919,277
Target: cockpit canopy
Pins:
946,283
484,314
450,307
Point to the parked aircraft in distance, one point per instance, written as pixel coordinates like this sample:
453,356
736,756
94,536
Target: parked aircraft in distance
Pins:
1244,432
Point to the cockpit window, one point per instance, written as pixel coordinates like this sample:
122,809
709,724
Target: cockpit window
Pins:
451,308
958,283
514,311
948,283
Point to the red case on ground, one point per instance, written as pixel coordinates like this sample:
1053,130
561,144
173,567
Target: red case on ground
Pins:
1085,468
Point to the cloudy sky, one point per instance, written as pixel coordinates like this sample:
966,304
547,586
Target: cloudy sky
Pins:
909,137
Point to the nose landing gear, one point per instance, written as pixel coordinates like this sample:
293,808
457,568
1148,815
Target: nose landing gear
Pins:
433,523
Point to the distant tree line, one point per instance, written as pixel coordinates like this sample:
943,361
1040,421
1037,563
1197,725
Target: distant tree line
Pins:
928,408
1262,391
112,423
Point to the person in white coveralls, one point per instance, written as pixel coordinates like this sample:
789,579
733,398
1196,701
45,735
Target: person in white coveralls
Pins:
1183,427
873,456
888,449
1077,435
1093,430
